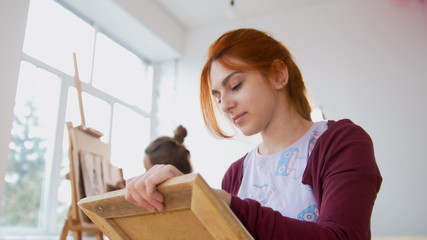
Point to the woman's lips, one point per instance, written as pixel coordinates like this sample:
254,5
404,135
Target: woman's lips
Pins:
238,118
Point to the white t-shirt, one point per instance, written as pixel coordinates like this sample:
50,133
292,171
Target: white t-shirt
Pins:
276,180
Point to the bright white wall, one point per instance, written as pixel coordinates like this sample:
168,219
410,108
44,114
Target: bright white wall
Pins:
13,16
365,60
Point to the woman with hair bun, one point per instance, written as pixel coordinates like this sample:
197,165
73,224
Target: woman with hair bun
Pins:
167,150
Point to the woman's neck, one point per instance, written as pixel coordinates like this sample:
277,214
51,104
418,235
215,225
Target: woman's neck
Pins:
284,130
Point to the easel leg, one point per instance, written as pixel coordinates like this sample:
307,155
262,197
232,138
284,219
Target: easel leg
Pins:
99,236
65,230
77,235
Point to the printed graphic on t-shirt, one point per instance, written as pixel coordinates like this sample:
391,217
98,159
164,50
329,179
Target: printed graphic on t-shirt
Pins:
275,180
286,162
309,215
264,194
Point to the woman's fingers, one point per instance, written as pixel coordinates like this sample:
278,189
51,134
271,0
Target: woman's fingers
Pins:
142,190
136,193
159,174
140,201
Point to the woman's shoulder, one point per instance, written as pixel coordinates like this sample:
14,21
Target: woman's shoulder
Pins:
340,123
343,146
341,134
344,127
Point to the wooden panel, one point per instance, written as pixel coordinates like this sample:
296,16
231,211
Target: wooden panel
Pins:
84,142
81,142
191,211
168,225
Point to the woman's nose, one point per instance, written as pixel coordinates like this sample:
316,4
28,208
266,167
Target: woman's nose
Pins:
227,103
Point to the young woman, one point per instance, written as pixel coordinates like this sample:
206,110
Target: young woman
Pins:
166,150
305,180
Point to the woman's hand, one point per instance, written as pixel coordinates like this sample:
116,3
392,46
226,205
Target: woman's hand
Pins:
142,190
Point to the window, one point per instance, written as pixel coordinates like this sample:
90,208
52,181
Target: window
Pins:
117,99
130,72
31,146
317,114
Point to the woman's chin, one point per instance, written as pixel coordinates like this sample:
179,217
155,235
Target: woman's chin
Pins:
247,131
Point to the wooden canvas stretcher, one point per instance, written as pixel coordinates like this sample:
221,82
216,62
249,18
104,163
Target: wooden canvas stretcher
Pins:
191,211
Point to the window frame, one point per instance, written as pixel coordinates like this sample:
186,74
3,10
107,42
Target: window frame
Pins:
47,225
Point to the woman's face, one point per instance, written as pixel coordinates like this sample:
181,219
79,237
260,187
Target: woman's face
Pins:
245,97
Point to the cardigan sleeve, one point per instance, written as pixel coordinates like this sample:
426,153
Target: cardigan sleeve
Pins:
345,178
233,177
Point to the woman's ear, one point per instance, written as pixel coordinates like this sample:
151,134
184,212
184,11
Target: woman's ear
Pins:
280,74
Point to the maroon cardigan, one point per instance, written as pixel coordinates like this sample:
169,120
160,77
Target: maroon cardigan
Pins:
345,179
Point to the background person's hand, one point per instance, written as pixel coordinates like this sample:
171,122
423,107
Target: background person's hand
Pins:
142,190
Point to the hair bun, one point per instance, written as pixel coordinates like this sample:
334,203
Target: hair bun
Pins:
180,133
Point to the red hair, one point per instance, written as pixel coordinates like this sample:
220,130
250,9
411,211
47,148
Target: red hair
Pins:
258,51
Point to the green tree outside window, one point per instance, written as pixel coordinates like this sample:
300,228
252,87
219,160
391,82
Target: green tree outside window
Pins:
24,177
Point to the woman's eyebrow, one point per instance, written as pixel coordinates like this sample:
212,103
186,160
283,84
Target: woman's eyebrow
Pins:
225,81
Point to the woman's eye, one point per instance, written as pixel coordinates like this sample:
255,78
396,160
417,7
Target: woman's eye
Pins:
237,86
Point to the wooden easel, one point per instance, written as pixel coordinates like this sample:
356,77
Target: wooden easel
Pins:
77,221
89,131
84,140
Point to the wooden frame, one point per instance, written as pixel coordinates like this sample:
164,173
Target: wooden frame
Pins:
191,211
